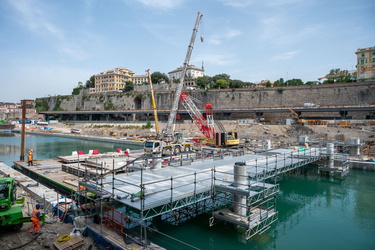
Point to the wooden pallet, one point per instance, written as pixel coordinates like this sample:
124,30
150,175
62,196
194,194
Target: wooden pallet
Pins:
75,242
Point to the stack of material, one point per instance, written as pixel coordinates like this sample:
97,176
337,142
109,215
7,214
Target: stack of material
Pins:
75,242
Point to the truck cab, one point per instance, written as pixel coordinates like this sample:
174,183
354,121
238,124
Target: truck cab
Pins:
7,193
152,146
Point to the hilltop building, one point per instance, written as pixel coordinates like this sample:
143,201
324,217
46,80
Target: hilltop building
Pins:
113,80
192,73
140,79
366,64
265,83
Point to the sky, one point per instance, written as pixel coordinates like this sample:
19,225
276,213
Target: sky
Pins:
48,46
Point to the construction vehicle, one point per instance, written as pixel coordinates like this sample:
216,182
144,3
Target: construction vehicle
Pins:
169,142
206,125
158,145
10,209
296,117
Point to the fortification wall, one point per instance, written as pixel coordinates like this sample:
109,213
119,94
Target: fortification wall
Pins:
280,97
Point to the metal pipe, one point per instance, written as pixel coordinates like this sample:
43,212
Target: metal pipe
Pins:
22,152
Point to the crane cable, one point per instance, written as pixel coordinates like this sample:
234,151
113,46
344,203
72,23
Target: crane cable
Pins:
202,30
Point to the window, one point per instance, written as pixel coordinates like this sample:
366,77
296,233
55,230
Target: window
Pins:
373,59
373,52
363,54
362,61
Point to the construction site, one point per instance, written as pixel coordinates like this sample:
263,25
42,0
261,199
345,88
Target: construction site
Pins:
226,169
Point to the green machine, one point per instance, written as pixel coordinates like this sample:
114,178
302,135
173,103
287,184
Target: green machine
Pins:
10,209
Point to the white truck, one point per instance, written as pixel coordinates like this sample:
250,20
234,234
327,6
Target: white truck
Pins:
166,148
310,105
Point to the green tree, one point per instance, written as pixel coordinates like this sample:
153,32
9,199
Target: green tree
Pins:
203,82
158,77
91,82
129,86
338,75
223,76
279,82
294,82
221,83
236,84
77,90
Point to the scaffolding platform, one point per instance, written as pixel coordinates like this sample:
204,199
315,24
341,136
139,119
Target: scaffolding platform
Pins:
153,192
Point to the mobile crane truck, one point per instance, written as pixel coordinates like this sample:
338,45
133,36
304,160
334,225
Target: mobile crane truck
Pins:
10,209
169,142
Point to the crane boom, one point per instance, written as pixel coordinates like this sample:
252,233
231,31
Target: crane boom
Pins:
172,114
153,103
205,125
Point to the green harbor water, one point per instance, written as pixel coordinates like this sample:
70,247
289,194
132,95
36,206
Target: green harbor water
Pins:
49,147
314,212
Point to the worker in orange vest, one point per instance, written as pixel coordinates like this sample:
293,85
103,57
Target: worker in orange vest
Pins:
30,160
35,219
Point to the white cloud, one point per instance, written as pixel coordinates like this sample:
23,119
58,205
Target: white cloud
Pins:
33,16
269,3
285,56
75,53
223,35
238,3
162,4
216,59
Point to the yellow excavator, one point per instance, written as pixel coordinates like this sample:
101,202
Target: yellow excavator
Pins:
296,117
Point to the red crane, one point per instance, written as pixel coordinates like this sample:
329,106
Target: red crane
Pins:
205,125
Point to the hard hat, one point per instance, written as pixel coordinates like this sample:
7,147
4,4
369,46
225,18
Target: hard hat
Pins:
37,206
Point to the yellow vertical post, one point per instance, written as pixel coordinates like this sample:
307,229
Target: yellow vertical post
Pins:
153,103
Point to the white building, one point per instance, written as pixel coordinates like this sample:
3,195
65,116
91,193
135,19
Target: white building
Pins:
140,79
192,73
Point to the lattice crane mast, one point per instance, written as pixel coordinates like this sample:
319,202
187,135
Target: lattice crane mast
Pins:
205,125
172,115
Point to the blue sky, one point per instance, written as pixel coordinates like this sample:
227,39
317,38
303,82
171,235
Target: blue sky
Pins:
47,47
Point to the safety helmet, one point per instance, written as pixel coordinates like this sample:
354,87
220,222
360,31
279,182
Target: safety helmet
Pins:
37,206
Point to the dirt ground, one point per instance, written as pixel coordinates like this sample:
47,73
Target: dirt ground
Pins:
256,131
50,231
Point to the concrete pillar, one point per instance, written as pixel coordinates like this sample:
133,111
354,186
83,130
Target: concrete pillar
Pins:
303,139
156,160
354,146
267,144
240,181
330,152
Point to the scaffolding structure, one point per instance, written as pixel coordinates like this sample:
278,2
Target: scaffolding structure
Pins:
195,183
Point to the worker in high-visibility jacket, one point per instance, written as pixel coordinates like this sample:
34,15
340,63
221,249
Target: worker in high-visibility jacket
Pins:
35,219
30,160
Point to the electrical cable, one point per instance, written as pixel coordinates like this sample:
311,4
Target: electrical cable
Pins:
27,242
